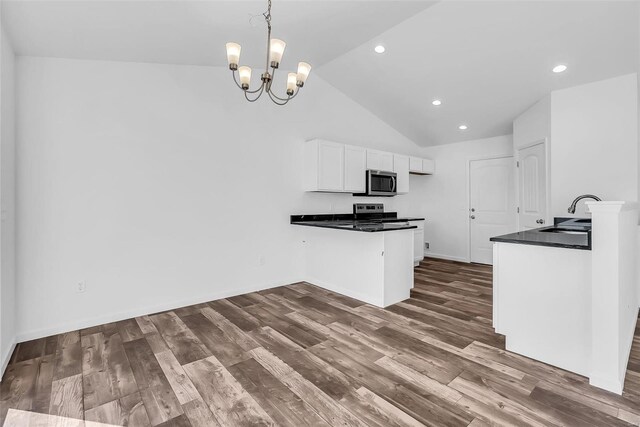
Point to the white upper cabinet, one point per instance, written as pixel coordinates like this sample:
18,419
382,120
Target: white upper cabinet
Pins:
355,167
379,160
338,168
324,166
415,164
330,166
401,168
428,166
420,166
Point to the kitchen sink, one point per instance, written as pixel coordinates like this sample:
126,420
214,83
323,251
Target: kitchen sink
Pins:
564,231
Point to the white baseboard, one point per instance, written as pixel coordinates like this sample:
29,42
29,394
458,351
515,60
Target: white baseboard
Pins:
346,292
447,257
614,386
6,357
114,317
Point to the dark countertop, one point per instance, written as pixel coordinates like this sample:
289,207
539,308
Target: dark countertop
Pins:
540,237
388,221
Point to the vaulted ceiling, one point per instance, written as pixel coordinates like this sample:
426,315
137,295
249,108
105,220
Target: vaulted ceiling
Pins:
486,60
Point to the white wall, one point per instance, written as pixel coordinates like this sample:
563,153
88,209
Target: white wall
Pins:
594,142
533,125
7,201
443,197
160,186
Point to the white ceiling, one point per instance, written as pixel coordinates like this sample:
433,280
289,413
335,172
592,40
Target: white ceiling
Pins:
487,60
194,32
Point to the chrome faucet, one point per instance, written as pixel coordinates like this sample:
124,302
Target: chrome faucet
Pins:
572,208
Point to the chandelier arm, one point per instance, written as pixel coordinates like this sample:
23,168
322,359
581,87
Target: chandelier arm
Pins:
233,73
271,95
277,97
295,93
256,98
248,91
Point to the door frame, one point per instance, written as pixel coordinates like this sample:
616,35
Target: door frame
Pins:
468,190
547,160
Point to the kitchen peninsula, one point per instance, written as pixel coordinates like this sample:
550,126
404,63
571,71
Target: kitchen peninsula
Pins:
368,256
567,295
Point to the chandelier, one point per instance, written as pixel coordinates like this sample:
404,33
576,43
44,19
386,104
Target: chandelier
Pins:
275,50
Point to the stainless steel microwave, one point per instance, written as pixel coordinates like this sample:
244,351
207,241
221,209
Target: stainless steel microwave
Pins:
380,183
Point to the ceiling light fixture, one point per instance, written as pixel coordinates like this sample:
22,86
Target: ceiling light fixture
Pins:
275,50
559,68
463,127
379,49
436,102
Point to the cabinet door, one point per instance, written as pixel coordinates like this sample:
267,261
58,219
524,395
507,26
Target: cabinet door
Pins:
415,164
401,167
387,161
355,167
428,166
379,160
374,160
330,166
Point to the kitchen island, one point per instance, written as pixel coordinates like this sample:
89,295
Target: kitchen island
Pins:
371,261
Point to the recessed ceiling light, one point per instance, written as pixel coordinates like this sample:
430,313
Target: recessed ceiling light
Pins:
559,68
379,49
436,102
463,127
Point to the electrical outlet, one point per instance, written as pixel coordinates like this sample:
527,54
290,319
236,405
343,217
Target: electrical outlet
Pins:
262,260
82,286
426,245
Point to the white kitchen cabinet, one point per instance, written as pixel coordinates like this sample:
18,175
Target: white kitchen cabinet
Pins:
379,160
428,166
330,166
401,168
355,167
324,166
418,242
334,167
339,168
415,165
420,166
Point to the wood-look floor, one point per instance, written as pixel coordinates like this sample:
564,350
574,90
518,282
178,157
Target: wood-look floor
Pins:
298,355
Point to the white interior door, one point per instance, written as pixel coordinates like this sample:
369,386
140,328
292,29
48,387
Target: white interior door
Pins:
492,209
532,178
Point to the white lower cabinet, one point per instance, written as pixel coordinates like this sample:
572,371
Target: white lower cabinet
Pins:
418,242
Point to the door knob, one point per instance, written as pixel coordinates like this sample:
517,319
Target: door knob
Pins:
472,217
540,221
473,210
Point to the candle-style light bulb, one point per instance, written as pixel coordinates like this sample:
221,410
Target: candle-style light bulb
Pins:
245,76
303,72
233,55
292,79
276,50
